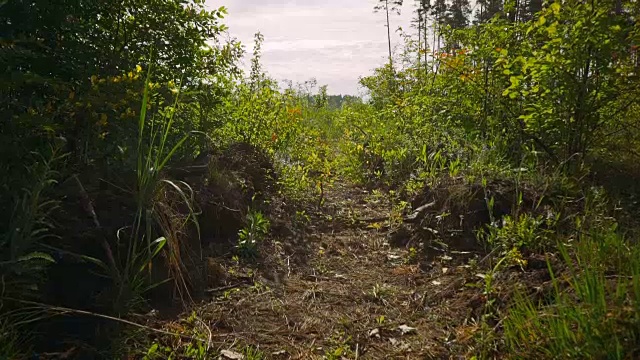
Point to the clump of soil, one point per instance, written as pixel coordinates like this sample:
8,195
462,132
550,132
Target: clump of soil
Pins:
451,213
238,178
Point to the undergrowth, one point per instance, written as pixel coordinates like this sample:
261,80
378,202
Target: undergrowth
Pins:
495,136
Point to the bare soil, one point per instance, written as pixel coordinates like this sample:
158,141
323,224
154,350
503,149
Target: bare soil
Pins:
340,289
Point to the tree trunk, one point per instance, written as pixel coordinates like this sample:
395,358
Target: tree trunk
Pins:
386,8
419,36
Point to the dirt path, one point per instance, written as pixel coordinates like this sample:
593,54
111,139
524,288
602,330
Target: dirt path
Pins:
342,291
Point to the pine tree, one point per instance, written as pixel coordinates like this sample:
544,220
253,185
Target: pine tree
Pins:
389,6
422,9
488,9
458,14
439,15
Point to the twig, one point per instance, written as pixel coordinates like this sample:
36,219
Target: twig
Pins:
87,206
225,207
209,342
316,277
417,212
488,256
223,288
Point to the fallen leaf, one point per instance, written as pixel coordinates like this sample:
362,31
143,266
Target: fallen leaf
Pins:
445,270
375,332
434,282
232,355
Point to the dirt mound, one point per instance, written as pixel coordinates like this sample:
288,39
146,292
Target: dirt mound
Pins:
239,177
450,214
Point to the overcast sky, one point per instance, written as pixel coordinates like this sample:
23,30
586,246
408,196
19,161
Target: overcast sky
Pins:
334,41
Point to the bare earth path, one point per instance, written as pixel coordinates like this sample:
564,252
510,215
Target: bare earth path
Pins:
342,291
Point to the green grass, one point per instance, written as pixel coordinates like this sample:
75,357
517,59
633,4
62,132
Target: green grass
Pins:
595,307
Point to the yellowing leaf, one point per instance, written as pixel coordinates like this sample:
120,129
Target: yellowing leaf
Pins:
542,20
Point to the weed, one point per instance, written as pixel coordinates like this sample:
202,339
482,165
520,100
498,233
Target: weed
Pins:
24,260
256,228
300,220
340,347
412,256
253,353
524,232
379,293
593,315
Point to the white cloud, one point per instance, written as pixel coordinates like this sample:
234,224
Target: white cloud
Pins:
334,41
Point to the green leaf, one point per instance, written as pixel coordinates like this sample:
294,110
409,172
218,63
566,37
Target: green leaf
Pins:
159,243
36,256
101,264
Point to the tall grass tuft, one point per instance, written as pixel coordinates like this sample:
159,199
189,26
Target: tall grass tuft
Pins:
165,215
22,258
595,310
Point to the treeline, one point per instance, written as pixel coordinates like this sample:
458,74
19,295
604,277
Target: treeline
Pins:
562,81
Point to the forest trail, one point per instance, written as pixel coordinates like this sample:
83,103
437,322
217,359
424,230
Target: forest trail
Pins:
344,292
